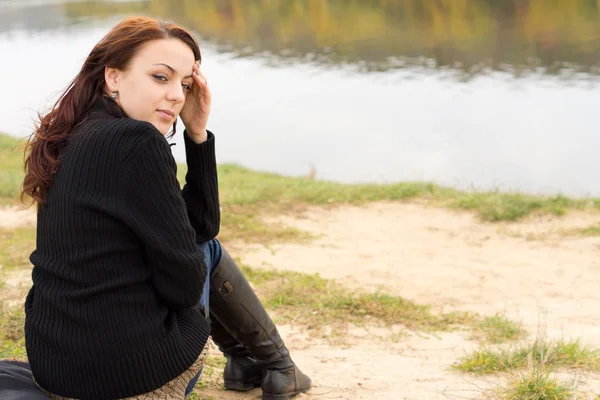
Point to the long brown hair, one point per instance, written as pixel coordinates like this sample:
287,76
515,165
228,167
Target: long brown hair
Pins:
115,50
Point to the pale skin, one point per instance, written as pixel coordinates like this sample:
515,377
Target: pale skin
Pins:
163,81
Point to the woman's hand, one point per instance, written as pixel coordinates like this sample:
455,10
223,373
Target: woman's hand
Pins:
196,109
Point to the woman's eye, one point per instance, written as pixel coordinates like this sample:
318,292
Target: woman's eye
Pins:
160,78
186,86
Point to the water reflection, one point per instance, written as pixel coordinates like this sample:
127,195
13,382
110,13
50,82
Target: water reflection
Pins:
416,121
466,36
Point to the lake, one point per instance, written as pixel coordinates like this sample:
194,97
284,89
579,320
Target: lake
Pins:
473,94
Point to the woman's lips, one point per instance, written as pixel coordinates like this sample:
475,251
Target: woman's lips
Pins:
166,114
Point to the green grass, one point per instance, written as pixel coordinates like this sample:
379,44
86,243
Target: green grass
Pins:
212,373
11,169
559,354
241,186
12,342
247,195
245,224
13,350
498,329
199,396
15,247
592,230
316,302
536,385
11,324
496,206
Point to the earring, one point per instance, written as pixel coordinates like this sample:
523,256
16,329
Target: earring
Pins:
113,95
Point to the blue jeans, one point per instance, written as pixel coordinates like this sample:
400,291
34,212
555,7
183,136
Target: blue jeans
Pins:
212,257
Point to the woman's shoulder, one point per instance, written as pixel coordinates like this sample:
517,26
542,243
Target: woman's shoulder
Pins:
120,128
122,135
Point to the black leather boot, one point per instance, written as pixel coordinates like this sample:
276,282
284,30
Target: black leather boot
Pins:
241,372
235,305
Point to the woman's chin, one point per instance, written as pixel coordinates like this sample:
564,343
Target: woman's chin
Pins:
162,127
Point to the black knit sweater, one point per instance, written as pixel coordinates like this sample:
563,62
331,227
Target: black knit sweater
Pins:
113,310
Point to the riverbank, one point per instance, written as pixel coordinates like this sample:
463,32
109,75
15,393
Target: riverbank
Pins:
245,194
399,291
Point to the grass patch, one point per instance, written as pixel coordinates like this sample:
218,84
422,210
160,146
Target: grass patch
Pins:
199,396
316,302
13,350
498,329
241,186
248,195
592,230
537,385
12,341
16,246
12,323
11,168
243,224
212,373
495,206
561,354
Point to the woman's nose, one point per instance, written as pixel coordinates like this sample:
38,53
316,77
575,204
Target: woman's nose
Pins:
176,94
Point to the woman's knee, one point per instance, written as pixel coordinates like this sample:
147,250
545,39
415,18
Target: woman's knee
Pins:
212,252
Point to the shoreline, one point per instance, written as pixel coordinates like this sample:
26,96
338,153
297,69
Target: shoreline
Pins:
310,175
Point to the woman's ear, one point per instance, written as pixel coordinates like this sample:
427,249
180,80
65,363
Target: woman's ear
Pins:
111,76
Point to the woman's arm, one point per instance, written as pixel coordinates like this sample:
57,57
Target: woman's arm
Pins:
201,189
153,207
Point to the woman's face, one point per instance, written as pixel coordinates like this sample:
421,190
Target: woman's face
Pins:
156,82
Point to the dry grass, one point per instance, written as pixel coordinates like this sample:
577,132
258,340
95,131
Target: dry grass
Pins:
536,385
549,354
12,341
315,302
498,329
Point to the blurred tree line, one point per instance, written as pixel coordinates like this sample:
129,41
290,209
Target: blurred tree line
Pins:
463,35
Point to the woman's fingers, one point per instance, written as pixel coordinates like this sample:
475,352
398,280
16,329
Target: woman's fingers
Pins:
197,73
204,90
203,77
204,94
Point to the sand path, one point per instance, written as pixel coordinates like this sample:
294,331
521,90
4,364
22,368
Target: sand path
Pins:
533,271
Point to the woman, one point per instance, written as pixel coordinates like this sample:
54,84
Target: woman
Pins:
126,264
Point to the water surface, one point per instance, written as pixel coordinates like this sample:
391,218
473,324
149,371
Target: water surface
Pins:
468,93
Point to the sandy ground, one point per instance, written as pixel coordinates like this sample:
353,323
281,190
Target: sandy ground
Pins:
534,271
13,217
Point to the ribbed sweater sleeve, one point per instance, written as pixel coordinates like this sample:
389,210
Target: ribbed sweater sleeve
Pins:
200,191
155,210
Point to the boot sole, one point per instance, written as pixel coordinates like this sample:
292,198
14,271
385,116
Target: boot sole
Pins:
240,386
284,396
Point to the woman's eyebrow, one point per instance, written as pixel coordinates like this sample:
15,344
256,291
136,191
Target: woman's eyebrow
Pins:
168,66
172,69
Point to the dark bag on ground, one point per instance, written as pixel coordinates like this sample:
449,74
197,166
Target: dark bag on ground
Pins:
16,382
